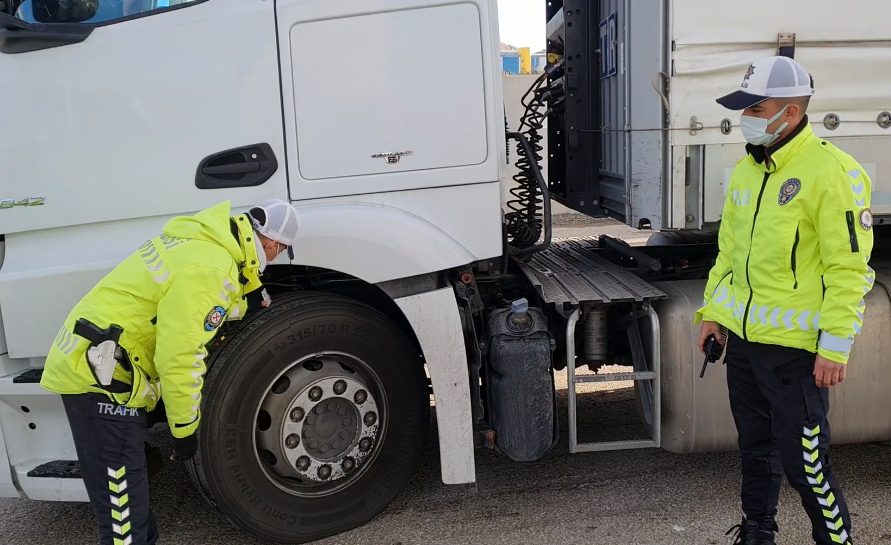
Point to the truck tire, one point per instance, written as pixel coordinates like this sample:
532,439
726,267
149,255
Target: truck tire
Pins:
314,416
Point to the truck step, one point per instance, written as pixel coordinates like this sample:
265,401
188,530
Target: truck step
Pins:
646,363
58,469
605,446
31,376
616,377
571,273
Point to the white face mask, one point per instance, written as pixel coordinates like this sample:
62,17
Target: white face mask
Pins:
754,129
261,254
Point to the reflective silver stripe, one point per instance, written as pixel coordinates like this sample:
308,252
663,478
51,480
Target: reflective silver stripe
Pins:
762,316
803,322
773,317
787,319
753,313
857,187
722,295
835,344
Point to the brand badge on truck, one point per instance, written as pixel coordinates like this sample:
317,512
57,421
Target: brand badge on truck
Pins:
37,200
392,157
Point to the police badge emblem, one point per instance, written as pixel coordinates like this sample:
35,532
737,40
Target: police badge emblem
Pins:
749,73
866,219
790,188
214,318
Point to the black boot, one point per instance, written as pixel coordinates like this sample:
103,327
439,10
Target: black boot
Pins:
748,532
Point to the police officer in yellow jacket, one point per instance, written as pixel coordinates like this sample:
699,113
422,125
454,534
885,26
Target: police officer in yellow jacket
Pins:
789,286
139,337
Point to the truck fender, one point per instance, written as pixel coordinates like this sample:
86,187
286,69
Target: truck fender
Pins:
374,242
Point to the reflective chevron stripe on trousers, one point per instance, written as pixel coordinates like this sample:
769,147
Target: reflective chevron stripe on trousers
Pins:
781,417
110,444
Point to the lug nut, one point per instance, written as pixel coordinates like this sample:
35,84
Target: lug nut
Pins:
315,394
292,440
303,463
339,387
349,464
365,444
370,419
360,397
324,472
297,414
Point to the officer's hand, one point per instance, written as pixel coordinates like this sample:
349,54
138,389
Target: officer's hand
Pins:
828,373
708,328
184,448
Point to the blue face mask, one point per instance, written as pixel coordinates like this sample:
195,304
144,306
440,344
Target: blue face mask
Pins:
754,129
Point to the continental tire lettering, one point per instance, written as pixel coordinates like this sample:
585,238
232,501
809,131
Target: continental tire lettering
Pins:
249,493
318,330
272,512
230,446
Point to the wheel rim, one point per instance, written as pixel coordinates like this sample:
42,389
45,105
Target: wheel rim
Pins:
320,424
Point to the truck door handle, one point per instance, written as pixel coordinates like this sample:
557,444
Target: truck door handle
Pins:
240,167
35,37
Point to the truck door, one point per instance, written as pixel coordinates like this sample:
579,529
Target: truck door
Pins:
126,117
118,114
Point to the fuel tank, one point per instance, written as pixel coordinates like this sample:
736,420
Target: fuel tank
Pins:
696,412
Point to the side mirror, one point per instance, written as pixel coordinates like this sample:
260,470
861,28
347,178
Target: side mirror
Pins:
64,11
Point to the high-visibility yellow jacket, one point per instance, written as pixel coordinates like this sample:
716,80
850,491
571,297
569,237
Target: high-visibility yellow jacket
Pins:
795,242
170,297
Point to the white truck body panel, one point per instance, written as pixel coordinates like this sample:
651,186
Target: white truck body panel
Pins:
400,95
114,128
36,431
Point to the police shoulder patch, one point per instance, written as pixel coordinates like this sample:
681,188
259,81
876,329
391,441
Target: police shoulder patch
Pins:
789,189
214,318
866,219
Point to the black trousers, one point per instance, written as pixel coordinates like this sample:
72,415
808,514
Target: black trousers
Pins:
110,444
781,417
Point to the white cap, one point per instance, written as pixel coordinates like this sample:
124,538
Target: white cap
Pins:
276,220
772,77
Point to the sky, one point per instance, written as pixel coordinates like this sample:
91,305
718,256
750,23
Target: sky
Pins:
523,23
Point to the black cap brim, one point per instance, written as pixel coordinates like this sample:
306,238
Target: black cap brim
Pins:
740,100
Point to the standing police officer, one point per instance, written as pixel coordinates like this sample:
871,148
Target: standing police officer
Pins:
139,336
789,282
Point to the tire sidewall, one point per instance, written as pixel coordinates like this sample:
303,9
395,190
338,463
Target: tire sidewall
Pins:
249,366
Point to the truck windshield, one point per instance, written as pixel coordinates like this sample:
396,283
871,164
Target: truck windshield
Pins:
81,11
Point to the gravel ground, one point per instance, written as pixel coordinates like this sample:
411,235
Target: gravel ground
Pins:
646,497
